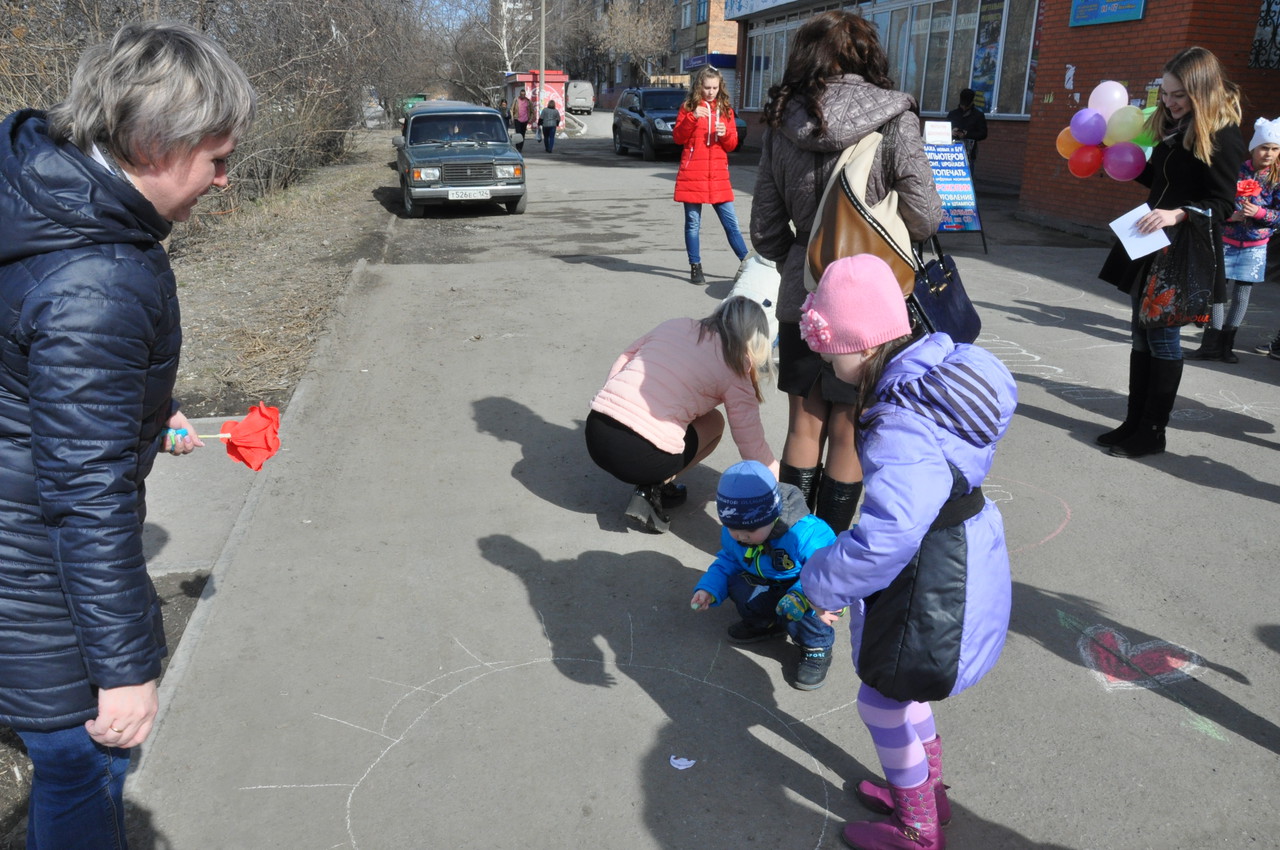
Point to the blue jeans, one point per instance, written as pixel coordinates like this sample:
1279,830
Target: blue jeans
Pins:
757,610
76,792
1160,343
728,220
549,138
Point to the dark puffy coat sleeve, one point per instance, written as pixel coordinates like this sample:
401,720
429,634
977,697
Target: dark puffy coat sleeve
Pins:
93,335
770,226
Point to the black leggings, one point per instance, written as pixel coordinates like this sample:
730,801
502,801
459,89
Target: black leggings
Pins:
627,456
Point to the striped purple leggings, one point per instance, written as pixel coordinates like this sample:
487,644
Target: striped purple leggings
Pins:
898,730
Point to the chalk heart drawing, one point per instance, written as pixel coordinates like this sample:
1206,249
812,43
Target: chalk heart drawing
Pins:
1120,665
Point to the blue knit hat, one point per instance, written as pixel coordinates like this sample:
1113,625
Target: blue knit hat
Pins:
748,496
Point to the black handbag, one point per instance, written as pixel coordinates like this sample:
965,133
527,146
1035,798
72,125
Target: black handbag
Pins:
939,304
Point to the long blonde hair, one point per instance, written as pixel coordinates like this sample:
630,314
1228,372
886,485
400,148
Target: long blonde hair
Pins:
695,91
1215,101
743,329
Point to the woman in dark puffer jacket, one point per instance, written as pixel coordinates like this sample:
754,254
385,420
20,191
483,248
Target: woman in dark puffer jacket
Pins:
835,91
89,339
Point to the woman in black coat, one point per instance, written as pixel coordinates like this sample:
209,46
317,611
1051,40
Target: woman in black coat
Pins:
89,338
1194,165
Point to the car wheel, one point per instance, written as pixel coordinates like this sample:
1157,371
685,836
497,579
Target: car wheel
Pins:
411,210
517,206
618,147
646,148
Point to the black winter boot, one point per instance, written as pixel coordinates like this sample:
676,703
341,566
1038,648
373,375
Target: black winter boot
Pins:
1229,343
695,274
1148,439
837,502
804,478
1139,378
1210,346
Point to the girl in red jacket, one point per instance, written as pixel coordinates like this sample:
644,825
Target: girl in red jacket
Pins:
706,130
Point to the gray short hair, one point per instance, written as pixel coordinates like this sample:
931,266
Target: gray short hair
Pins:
154,90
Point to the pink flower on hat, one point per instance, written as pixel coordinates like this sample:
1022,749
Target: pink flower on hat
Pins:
813,328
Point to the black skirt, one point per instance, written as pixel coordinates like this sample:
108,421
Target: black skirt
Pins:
800,368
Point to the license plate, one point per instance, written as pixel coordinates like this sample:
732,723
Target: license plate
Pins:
468,194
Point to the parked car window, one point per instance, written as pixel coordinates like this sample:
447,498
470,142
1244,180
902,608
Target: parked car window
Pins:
664,99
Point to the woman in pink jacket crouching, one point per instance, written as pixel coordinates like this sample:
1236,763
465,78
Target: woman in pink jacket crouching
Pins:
657,415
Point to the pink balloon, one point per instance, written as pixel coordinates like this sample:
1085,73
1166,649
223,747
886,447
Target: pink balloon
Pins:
1123,161
1107,97
1088,126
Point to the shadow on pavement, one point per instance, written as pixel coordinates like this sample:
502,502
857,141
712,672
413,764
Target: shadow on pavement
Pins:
1071,626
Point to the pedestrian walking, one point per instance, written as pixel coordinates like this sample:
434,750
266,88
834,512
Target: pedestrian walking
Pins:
1245,237
767,534
1192,170
925,572
89,348
834,91
549,120
657,414
706,131
522,115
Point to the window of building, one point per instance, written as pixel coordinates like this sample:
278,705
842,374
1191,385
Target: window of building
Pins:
702,11
935,48
686,14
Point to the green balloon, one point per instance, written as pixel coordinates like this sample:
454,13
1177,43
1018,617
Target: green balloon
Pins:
1146,138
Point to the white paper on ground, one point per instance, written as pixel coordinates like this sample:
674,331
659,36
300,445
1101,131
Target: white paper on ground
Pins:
1138,245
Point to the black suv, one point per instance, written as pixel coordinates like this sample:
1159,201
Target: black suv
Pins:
645,118
454,152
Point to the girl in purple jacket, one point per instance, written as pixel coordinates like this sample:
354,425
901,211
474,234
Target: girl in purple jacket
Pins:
925,571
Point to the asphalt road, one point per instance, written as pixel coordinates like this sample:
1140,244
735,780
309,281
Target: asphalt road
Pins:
428,625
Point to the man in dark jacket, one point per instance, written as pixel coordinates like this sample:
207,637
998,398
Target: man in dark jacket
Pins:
89,340
968,123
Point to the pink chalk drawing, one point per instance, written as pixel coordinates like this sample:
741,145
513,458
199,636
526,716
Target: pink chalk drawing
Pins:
1119,665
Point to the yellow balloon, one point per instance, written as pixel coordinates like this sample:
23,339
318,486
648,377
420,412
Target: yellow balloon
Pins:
1067,144
1124,125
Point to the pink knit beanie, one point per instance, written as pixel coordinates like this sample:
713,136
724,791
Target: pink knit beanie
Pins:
857,305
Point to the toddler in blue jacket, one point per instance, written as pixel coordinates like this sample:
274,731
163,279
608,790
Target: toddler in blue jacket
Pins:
768,535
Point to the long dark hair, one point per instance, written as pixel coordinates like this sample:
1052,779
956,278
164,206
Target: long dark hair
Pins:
828,45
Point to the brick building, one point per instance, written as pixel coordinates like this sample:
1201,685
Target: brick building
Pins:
1131,52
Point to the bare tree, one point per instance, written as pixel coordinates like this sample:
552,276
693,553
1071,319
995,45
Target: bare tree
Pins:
638,30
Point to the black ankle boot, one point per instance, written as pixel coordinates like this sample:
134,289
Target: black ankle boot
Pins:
1210,347
1139,379
646,508
1228,344
803,478
837,502
695,274
673,495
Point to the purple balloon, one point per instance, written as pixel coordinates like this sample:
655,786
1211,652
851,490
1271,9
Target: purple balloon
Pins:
1088,126
1123,161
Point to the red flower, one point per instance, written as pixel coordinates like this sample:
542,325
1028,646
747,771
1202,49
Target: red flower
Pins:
255,438
1248,189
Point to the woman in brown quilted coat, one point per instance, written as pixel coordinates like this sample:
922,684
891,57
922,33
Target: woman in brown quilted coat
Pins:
835,90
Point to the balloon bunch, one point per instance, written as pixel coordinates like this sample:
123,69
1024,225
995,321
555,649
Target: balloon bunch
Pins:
1110,134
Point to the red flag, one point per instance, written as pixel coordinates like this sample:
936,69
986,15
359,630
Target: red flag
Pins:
255,438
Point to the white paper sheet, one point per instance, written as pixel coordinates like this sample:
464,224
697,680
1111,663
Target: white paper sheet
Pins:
1138,245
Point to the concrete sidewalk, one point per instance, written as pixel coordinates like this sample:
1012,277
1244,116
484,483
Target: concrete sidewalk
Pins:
429,627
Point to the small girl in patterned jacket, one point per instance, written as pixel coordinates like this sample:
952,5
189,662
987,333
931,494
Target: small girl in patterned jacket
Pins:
1245,238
